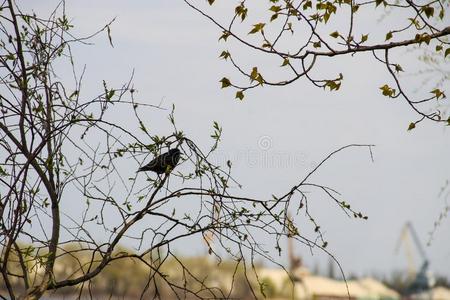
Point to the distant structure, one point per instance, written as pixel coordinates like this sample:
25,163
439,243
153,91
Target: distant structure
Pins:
421,280
295,261
299,284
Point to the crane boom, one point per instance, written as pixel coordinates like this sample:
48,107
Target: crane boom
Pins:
417,241
422,280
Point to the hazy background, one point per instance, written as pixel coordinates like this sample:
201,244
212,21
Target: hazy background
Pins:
276,135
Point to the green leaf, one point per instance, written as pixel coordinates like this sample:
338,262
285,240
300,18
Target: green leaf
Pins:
308,4
438,93
285,62
217,131
254,73
387,91
142,127
447,52
438,48
378,2
3,172
257,28
411,126
333,85
225,35
415,22
110,94
224,55
428,10
398,68
289,27
321,6
424,37
317,44
241,11
334,34
273,17
388,36
364,38
240,95
293,12
275,8
260,79
225,82
211,2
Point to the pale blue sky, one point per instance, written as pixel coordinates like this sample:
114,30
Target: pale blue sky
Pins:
174,53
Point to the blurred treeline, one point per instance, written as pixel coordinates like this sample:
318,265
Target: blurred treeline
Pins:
159,274
133,277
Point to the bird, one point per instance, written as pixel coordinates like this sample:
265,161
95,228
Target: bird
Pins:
163,163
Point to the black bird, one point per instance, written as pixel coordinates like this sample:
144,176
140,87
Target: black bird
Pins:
163,163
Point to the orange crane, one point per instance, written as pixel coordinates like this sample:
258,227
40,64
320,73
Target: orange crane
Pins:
295,261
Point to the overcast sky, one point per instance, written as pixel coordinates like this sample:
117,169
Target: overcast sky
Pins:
276,135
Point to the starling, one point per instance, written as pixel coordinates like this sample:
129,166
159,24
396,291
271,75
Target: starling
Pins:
163,163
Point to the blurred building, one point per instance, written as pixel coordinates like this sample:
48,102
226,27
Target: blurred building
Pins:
312,287
437,293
